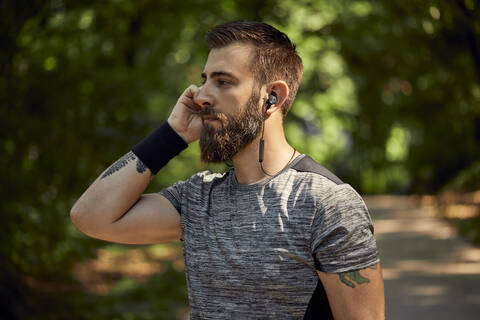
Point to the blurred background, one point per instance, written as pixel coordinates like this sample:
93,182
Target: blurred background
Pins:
390,102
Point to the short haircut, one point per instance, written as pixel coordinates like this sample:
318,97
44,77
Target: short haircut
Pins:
275,56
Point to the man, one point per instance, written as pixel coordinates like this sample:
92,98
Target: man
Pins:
278,236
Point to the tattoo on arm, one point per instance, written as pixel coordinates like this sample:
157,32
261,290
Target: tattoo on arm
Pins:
141,167
122,162
353,276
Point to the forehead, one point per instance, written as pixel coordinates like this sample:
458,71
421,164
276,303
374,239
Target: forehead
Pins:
234,58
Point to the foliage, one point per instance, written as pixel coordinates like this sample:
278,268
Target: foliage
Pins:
162,296
390,102
470,229
391,94
424,89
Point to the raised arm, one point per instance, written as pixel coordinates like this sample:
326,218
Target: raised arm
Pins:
114,207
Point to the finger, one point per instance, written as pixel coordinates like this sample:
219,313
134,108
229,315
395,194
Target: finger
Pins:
188,97
191,91
190,102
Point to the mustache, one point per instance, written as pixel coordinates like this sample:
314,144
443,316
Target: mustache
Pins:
207,111
210,111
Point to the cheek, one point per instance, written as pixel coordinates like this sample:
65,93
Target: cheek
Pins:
233,101
230,104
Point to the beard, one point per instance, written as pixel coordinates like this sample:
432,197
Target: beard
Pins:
221,144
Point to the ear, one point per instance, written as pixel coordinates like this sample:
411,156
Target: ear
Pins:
281,89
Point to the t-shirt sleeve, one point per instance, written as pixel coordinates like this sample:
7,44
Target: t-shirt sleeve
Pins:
174,194
342,232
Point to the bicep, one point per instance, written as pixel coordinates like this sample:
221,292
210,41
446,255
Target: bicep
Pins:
152,219
357,294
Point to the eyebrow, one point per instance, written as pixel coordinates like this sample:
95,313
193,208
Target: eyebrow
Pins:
218,74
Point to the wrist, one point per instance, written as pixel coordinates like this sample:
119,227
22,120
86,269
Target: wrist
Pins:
163,144
174,127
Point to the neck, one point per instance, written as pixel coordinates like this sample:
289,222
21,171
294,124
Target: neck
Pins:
277,154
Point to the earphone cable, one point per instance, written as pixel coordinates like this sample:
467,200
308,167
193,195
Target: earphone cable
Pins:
261,151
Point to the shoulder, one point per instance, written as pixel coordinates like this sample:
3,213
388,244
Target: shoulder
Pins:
203,181
194,187
206,177
329,189
308,165
197,181
313,177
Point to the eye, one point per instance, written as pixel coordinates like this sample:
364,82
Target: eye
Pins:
222,82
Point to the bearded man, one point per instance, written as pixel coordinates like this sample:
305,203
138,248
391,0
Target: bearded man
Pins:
276,237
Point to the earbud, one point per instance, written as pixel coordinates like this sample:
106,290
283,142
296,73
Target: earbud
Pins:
272,99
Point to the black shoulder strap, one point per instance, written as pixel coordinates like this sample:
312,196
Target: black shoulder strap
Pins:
307,164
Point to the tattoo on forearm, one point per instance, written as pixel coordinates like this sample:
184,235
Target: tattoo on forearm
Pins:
122,162
353,276
141,167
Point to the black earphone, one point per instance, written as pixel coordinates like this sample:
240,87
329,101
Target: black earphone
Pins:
272,99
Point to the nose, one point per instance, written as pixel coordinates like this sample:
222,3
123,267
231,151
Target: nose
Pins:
203,98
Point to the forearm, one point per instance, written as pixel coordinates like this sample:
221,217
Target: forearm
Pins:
112,193
119,187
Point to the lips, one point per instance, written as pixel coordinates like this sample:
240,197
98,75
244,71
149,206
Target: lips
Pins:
209,117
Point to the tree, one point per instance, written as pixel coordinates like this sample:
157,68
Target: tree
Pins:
389,102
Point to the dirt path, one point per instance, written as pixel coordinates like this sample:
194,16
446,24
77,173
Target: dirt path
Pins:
430,273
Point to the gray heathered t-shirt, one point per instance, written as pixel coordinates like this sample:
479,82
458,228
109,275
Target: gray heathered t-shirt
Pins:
251,251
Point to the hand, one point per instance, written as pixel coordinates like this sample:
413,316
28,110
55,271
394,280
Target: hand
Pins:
185,118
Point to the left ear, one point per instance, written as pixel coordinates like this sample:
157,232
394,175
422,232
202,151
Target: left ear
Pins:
281,89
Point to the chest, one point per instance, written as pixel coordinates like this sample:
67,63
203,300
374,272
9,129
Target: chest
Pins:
255,235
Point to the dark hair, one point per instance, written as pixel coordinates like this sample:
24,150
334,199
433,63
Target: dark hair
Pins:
275,57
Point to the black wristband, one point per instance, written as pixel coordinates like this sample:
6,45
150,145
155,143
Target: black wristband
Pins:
159,147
